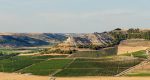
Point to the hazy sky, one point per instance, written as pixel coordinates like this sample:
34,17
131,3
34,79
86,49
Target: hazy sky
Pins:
72,15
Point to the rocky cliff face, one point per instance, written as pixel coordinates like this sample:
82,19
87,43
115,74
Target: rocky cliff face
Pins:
88,39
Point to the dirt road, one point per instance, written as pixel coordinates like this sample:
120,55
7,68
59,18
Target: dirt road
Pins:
14,76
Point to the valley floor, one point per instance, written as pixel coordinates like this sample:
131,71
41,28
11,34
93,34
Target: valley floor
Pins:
14,76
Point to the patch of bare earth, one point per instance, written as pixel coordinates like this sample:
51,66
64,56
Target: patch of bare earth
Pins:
38,54
133,45
29,54
105,78
14,76
142,69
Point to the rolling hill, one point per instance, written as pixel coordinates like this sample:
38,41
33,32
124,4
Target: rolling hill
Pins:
99,39
87,40
29,39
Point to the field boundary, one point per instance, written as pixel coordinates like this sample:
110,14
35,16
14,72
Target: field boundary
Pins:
55,72
59,70
70,63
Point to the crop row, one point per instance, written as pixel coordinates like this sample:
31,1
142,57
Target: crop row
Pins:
19,62
96,67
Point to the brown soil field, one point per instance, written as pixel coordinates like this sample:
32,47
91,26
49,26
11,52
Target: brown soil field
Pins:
128,49
14,76
133,45
105,78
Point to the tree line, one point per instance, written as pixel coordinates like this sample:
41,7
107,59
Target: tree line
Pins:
132,33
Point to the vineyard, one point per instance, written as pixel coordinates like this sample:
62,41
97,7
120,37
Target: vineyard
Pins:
97,67
47,67
96,54
18,62
63,66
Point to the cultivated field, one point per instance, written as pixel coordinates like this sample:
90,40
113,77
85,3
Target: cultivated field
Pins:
79,66
95,54
19,62
46,67
59,66
96,67
133,45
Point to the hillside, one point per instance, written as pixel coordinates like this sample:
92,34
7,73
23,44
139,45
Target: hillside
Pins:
84,40
39,39
80,40
19,41
29,39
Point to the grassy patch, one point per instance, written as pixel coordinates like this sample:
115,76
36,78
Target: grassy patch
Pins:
139,54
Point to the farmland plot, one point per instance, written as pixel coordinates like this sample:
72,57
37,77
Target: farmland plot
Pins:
96,67
96,54
47,67
18,62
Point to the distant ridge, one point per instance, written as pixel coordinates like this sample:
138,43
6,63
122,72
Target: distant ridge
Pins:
29,39
104,39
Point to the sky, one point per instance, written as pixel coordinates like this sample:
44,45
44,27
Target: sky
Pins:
73,16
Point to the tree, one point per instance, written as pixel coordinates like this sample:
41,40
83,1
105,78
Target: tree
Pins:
118,29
